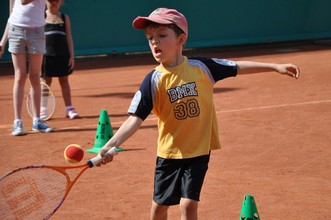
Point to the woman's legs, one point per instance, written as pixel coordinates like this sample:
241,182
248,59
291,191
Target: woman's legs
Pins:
19,63
35,61
21,42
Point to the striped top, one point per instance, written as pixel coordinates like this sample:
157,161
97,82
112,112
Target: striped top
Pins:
56,39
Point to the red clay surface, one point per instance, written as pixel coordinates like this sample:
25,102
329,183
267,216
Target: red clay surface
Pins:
275,132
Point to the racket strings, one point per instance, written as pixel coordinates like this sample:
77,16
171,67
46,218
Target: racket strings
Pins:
33,194
47,101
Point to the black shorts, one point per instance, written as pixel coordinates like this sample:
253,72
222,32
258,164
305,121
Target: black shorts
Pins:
179,178
56,66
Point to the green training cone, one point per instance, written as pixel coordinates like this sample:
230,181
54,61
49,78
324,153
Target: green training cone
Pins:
103,134
248,209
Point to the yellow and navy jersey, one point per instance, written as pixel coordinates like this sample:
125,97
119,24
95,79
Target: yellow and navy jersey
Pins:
182,99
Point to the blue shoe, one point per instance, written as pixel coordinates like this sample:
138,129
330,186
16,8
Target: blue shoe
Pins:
41,127
18,128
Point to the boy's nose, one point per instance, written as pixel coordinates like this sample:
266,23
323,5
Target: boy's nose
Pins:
155,41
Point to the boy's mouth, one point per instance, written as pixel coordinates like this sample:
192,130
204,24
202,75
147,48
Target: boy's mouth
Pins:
157,51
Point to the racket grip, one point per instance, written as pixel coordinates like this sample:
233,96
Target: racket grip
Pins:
98,158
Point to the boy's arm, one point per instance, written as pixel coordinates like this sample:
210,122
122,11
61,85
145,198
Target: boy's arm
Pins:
255,67
127,129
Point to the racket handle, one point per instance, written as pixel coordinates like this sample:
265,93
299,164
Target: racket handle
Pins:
98,158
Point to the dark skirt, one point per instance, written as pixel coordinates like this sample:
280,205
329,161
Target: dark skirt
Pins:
56,66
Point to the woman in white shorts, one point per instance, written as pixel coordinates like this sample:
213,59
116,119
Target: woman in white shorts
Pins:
25,33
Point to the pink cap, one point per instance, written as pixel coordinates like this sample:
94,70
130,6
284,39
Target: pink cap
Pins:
163,16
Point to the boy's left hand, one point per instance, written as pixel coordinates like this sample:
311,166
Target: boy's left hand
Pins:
289,69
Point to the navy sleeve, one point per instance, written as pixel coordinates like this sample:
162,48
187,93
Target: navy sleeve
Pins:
219,68
142,102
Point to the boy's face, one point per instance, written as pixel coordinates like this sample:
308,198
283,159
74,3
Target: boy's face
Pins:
166,47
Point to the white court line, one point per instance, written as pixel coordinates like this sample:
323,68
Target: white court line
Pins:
263,107
274,106
217,112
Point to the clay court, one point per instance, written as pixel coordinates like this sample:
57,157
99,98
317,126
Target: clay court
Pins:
275,133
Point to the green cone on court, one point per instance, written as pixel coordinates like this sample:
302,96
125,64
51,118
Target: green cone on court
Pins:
249,209
103,134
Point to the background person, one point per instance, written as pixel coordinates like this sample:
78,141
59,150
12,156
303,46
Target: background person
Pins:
25,33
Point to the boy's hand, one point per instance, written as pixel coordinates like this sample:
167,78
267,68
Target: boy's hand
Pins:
289,69
106,158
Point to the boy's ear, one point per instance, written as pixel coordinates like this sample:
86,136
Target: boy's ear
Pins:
181,39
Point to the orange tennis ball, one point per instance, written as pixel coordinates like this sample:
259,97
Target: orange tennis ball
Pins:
73,153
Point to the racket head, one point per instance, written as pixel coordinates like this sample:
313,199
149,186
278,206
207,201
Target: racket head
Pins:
38,191
34,192
47,102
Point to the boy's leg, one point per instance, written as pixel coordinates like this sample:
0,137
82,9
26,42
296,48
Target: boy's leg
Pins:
189,209
159,212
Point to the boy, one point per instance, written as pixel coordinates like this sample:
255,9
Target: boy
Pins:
179,91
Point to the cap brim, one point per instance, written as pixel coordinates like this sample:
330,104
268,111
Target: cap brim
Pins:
140,22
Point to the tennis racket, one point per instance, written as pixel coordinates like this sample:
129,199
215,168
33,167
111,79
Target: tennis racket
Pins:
37,191
47,102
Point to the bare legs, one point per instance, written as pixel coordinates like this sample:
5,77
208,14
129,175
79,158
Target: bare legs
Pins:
66,94
65,88
188,207
19,62
159,212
